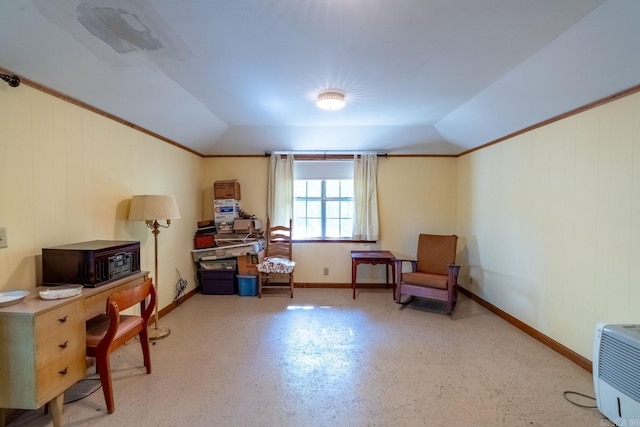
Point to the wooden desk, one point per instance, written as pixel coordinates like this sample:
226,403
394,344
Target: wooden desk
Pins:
43,346
373,257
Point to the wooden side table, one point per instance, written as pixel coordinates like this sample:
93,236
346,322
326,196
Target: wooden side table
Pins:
373,257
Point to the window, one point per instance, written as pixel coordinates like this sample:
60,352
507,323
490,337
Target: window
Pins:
323,209
323,200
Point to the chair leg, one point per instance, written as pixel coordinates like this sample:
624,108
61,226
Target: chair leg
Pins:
451,303
291,284
449,307
104,369
399,300
144,343
259,285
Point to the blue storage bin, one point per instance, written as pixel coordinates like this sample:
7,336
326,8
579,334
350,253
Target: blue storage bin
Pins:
247,286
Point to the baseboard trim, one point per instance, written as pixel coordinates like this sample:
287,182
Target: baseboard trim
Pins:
555,345
168,309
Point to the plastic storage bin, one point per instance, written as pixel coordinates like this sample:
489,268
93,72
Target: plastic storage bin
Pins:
217,282
247,286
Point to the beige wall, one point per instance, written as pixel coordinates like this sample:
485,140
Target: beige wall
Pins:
414,194
551,220
67,175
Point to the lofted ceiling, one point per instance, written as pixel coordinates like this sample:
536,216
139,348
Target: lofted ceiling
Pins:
226,77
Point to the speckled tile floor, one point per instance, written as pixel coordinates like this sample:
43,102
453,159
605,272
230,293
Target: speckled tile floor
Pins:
324,359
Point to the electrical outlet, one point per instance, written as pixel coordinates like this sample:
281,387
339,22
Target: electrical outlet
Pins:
326,271
3,238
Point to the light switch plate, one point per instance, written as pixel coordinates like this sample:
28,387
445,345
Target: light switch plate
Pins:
3,238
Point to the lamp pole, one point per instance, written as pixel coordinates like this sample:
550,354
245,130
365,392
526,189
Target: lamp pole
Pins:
157,332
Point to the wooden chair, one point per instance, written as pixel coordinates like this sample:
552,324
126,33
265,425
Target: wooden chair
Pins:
278,259
434,274
109,331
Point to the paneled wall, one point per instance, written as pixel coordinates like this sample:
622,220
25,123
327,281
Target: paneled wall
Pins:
551,220
67,175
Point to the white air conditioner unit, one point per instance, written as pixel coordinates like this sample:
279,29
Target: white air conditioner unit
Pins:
616,372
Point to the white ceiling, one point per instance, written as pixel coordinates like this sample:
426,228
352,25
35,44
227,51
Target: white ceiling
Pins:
242,76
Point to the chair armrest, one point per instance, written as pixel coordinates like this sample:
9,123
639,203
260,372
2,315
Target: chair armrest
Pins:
453,273
398,264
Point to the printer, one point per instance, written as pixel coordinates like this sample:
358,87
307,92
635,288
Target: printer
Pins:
247,226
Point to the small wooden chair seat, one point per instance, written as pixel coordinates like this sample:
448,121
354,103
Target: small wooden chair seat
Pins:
98,326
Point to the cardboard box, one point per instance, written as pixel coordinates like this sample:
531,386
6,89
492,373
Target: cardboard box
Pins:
226,189
226,210
247,263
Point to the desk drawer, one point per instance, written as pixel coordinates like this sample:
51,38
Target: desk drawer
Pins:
55,378
58,333
58,346
59,320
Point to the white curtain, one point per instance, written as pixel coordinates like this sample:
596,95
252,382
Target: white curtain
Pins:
365,197
280,189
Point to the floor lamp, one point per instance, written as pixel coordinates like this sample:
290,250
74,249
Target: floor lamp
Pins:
152,209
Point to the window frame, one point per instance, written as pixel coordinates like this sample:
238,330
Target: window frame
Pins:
323,199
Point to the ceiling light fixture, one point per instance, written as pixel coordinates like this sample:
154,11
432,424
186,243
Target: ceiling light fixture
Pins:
330,101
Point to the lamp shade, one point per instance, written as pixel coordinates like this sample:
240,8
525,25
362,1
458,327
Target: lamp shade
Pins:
152,207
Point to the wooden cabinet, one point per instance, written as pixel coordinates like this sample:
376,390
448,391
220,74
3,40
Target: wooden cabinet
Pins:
42,354
42,346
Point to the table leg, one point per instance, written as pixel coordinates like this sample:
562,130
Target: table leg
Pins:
354,270
393,278
56,409
386,275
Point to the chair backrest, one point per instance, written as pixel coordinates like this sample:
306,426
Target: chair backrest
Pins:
132,296
279,241
123,300
436,253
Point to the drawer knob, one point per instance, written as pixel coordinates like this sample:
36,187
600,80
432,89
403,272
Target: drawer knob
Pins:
63,345
62,319
64,371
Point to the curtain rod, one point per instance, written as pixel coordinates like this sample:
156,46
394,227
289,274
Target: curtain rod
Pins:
322,156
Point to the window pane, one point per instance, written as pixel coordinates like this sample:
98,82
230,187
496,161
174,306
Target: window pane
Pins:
314,188
299,209
299,228
333,188
333,209
314,209
346,228
346,209
346,188
314,228
333,228
300,188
